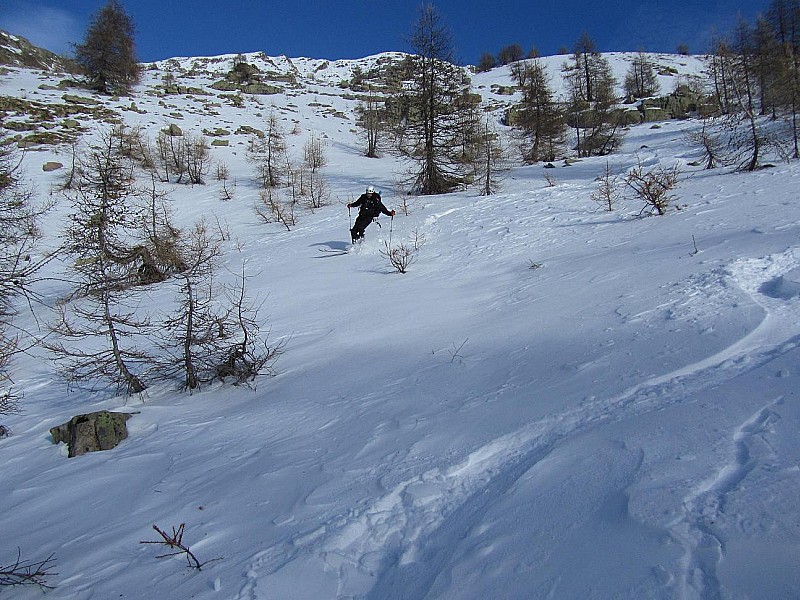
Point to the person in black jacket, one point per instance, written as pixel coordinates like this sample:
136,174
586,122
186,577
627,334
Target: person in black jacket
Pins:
369,206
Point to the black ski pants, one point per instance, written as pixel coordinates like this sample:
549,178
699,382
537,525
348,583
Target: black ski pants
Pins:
362,222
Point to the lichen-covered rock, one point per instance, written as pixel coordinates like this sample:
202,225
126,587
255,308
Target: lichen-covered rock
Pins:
676,105
225,86
247,130
218,132
504,90
513,116
243,72
631,117
653,113
44,138
92,432
262,89
73,99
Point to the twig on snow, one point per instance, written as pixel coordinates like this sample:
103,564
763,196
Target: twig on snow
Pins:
175,542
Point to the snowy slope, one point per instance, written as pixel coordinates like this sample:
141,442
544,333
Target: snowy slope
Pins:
621,422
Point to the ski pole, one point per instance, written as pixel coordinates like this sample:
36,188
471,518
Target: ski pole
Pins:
391,226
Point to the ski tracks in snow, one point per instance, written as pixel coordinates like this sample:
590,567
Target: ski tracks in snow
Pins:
696,529
398,543
393,545
773,283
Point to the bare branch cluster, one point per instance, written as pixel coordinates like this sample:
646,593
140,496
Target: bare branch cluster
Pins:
401,256
653,186
710,142
186,157
267,151
314,157
249,355
314,190
607,194
174,542
275,206
205,339
455,353
20,261
9,402
373,122
27,572
228,187
286,186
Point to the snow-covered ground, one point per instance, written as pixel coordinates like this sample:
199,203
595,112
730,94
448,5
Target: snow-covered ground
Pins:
621,422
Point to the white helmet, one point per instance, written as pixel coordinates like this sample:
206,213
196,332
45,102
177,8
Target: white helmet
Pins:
370,190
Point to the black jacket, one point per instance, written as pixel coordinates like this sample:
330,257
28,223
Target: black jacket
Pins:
370,205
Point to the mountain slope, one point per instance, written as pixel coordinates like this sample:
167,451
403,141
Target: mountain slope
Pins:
620,422
18,52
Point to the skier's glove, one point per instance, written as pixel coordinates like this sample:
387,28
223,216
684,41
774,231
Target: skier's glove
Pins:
392,212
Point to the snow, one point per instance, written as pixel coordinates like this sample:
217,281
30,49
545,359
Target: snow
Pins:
621,422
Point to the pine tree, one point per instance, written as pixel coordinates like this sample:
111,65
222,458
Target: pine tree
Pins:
107,54
371,120
641,80
590,104
437,108
491,160
767,66
540,118
784,18
583,69
719,71
486,63
747,135
103,306
268,152
510,54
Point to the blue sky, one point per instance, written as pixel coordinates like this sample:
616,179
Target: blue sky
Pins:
356,28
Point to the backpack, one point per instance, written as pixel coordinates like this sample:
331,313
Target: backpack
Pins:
372,206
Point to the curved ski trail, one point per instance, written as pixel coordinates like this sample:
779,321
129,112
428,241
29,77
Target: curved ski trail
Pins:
396,544
695,530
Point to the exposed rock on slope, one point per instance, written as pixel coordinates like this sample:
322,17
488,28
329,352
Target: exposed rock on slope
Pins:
16,51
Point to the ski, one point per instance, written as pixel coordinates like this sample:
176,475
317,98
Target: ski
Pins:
336,251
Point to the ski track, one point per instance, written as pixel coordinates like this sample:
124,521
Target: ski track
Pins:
399,544
703,547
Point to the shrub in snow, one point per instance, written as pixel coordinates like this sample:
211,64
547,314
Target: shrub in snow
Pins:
653,186
401,257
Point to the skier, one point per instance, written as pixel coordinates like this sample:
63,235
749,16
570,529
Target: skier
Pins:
370,206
